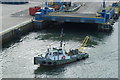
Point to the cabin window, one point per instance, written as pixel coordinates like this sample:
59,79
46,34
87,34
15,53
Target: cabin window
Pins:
46,54
55,53
60,53
60,49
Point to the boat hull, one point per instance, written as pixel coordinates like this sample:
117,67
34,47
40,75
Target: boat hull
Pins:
48,62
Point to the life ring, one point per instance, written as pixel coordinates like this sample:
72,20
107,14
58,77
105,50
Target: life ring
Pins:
54,63
63,57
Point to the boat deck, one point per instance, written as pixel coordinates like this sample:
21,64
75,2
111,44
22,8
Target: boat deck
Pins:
89,10
85,14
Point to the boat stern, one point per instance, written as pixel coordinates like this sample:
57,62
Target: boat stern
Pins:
38,60
42,61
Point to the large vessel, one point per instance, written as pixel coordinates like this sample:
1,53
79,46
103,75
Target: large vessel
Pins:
55,56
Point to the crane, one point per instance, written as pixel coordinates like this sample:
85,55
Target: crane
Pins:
83,44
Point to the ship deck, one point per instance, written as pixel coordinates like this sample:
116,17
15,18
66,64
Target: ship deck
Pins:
85,14
88,10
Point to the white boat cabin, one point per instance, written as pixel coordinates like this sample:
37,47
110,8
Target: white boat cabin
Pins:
57,54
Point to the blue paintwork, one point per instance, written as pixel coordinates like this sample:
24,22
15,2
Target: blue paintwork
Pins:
42,12
45,11
105,15
74,19
38,15
115,5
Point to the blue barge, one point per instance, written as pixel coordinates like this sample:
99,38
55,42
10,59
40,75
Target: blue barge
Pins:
91,12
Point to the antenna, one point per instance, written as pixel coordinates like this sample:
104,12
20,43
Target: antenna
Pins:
61,35
104,4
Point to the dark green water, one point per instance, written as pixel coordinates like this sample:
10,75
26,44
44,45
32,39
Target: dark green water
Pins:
102,48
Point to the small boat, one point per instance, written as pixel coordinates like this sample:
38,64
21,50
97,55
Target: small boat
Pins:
73,8
55,56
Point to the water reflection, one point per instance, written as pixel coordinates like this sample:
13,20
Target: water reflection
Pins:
23,50
56,70
74,32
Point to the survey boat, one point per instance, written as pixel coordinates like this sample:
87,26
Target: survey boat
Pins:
55,56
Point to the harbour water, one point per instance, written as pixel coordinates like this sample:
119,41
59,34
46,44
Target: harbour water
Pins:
102,47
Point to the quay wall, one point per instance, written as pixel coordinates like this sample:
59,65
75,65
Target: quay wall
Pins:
21,29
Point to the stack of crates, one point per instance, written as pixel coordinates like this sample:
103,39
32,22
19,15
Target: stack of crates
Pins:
56,4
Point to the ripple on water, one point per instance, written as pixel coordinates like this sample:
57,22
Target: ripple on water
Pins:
102,48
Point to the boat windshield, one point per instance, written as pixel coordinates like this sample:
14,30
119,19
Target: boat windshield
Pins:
60,51
57,52
54,52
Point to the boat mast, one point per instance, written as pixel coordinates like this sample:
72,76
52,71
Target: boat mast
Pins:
61,36
104,4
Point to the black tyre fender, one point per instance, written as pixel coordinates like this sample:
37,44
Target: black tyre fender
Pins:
83,58
43,62
78,59
49,63
55,63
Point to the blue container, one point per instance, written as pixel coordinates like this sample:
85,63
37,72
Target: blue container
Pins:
51,10
38,15
46,10
114,5
42,11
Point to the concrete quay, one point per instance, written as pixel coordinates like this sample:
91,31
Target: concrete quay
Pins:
15,19
15,14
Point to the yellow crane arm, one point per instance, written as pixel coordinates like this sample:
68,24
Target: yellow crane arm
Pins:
83,43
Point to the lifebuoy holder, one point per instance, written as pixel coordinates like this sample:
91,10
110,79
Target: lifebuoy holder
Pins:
63,57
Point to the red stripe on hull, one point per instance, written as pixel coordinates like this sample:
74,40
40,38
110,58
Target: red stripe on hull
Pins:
58,64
